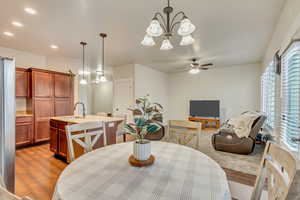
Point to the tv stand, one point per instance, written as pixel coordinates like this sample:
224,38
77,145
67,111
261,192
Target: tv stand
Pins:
206,122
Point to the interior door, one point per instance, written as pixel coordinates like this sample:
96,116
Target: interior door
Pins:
123,95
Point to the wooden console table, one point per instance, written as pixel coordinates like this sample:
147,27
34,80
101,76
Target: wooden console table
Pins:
206,122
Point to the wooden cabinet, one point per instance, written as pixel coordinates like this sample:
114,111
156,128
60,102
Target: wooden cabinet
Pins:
21,82
42,84
62,85
63,107
43,111
24,131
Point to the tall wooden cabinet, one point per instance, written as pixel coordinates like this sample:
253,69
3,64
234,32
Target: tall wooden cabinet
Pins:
51,95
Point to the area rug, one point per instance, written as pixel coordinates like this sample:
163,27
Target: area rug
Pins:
248,164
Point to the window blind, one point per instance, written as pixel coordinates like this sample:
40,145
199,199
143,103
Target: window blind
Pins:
268,81
290,91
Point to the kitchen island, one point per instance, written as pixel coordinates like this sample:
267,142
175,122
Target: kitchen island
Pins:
58,137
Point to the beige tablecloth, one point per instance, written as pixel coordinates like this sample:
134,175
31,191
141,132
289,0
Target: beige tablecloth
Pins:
179,172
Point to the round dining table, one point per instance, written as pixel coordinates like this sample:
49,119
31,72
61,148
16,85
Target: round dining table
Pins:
179,172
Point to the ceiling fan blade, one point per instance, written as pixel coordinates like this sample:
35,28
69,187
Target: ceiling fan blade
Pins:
207,65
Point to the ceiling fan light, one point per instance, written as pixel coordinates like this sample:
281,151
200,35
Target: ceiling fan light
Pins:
166,45
148,41
154,29
187,40
186,27
83,81
194,70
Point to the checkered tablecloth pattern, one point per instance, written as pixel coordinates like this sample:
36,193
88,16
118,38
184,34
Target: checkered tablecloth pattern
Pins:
179,173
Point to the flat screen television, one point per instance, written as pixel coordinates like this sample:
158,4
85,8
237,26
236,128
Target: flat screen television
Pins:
205,108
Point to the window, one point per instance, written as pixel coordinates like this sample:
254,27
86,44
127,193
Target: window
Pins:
290,83
268,81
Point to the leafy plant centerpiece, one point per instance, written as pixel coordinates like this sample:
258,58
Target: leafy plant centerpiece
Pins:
147,117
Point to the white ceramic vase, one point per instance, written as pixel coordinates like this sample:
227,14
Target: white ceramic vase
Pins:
142,150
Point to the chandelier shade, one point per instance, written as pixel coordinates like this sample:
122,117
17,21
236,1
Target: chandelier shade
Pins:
164,24
166,45
187,40
148,41
186,27
154,30
83,81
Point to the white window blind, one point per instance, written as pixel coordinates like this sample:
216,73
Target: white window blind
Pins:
268,95
290,108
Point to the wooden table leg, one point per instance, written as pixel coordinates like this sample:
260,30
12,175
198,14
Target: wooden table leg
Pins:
124,137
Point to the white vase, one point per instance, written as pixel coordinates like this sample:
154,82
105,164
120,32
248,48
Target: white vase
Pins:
142,150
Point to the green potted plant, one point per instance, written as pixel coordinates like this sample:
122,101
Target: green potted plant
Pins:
145,121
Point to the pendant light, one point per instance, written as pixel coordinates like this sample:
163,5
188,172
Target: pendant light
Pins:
101,73
83,81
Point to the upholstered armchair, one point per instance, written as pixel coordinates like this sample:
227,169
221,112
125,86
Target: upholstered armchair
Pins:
229,142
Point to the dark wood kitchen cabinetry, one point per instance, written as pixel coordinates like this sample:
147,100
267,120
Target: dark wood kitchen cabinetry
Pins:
49,94
24,131
22,89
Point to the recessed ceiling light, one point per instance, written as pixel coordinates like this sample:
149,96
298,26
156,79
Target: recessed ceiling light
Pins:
7,33
18,24
54,46
30,11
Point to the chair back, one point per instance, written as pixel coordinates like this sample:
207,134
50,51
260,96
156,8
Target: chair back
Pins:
184,131
257,125
279,171
86,135
120,127
102,114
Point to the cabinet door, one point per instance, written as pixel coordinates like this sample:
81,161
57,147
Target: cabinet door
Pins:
63,107
21,83
43,112
63,144
23,134
62,85
53,140
42,84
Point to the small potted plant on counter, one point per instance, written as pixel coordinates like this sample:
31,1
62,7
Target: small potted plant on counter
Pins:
145,121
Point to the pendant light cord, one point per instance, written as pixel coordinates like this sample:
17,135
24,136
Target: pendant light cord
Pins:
83,61
103,57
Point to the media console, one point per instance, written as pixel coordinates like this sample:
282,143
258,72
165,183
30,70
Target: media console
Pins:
206,122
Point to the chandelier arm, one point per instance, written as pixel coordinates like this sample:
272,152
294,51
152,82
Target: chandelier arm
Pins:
173,26
163,24
175,16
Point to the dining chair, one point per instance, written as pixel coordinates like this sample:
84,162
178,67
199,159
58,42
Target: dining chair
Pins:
102,114
183,131
120,128
279,173
86,135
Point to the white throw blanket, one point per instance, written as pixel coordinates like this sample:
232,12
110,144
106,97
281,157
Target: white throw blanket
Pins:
242,126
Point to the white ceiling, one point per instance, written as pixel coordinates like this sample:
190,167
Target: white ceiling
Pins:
229,32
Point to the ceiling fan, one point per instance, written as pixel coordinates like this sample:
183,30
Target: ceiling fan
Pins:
195,67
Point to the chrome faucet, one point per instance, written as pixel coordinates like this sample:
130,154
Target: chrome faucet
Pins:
83,108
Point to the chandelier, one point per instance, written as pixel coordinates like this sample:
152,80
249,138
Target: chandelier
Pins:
165,26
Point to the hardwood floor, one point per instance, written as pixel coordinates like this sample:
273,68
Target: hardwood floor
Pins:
37,171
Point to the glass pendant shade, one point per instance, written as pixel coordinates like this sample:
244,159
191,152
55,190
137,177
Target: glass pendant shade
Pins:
194,70
186,27
187,40
166,45
103,79
83,81
148,41
154,30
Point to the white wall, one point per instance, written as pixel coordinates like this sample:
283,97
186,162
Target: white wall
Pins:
103,97
237,88
287,28
151,82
